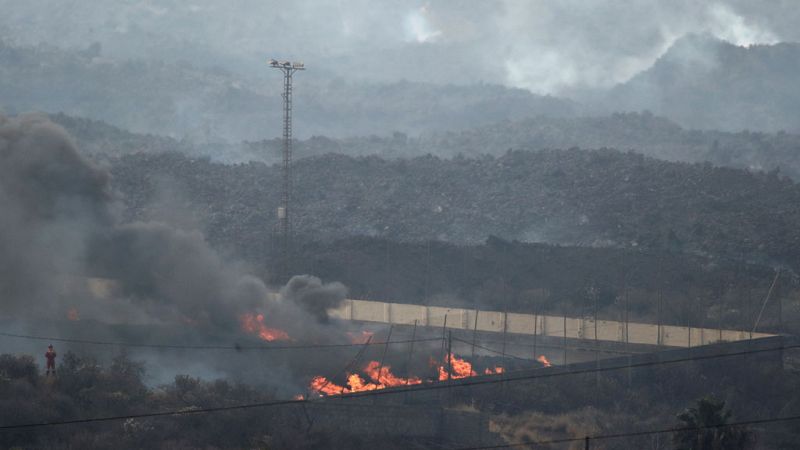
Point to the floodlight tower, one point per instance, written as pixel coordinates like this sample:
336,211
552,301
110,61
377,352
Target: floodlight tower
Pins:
285,224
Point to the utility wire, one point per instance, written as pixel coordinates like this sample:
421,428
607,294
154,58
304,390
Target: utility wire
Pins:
523,358
586,348
153,414
350,364
554,372
471,381
636,433
236,347
498,352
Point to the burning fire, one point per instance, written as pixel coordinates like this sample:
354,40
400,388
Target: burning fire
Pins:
496,371
73,315
360,338
358,384
381,378
324,386
254,324
543,359
384,376
460,368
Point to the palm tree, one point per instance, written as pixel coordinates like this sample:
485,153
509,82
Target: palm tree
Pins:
706,420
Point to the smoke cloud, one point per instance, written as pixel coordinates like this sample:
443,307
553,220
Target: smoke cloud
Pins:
175,274
58,223
315,297
545,46
52,201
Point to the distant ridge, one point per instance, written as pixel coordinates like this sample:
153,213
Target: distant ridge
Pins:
704,82
181,100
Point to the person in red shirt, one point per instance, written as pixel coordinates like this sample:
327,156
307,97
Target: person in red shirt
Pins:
51,359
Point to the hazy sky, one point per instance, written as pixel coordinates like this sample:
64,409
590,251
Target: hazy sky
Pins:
546,46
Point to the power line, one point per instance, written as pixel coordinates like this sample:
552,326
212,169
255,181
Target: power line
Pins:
498,352
523,358
472,381
555,346
636,433
235,347
553,372
153,414
350,364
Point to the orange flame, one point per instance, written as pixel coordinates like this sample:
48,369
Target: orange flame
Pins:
360,338
381,378
324,386
254,324
496,371
73,315
385,377
543,359
358,384
460,368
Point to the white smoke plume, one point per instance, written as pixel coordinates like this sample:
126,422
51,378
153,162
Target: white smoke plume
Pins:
545,46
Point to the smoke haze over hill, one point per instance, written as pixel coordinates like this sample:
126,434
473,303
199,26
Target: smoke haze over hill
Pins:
197,70
528,203
539,45
706,83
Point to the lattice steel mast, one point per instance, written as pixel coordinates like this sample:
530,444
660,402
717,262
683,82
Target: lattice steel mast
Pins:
284,218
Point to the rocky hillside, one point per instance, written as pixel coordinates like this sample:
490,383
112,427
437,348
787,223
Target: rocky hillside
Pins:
574,197
640,132
180,100
702,82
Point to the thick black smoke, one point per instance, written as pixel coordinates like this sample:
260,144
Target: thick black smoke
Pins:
311,294
174,274
51,202
57,223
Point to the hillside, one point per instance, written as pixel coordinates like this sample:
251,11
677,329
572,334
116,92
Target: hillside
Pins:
702,82
587,198
180,100
99,139
643,133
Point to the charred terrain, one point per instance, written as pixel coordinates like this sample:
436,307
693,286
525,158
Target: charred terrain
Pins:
598,249
594,198
425,230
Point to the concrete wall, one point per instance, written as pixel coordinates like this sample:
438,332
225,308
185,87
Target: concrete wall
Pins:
496,321
533,324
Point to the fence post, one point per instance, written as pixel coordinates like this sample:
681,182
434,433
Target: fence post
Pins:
565,339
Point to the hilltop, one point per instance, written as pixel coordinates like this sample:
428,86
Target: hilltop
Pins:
703,82
181,100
